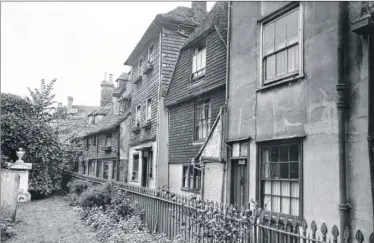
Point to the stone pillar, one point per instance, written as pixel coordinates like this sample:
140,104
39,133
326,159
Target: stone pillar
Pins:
22,169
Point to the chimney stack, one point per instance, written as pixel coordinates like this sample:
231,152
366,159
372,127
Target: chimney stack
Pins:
70,103
106,91
199,10
110,78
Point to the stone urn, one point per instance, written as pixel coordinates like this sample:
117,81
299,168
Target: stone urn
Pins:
20,153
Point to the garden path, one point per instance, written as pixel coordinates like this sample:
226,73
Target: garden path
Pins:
50,220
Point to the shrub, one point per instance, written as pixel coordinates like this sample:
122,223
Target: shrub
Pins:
78,187
99,196
121,205
6,228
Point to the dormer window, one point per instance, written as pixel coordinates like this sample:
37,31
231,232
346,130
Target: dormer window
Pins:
198,61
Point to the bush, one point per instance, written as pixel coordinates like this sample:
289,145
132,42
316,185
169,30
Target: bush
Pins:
121,206
77,187
6,228
98,196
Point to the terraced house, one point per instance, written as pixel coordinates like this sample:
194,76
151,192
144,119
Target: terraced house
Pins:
152,63
300,100
108,133
194,99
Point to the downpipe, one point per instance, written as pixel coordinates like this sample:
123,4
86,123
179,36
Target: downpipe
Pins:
342,106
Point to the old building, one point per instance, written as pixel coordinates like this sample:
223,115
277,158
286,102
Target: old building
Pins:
152,63
107,136
299,92
194,99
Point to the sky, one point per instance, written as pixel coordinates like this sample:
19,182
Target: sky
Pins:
74,42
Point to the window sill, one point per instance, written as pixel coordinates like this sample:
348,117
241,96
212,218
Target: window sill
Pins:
281,82
198,143
282,217
190,190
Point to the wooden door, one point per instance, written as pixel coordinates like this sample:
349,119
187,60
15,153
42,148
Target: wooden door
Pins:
239,182
144,181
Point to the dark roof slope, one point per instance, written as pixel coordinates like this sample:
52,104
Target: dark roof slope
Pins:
181,14
123,76
108,122
216,17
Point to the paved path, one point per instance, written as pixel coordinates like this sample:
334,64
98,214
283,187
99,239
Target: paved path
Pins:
50,220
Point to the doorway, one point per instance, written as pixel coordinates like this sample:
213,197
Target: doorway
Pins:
239,182
144,181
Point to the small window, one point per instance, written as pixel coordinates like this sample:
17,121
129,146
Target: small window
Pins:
240,149
149,109
150,52
280,176
91,167
135,168
140,65
114,170
202,118
88,142
198,61
106,170
137,115
94,140
281,47
108,139
191,178
99,169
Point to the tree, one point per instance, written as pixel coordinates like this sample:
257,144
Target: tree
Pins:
22,125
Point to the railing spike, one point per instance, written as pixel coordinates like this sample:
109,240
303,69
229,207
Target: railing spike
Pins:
371,238
304,224
335,232
359,236
313,226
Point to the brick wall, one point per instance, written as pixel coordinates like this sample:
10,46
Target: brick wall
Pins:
181,127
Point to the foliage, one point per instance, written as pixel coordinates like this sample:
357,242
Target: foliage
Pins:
98,196
6,228
43,101
21,127
77,187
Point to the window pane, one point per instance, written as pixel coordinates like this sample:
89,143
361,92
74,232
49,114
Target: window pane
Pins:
283,153
293,58
285,188
276,188
270,67
265,154
294,170
274,156
266,170
294,206
243,149
274,170
294,152
267,202
267,187
285,205
281,62
203,58
194,64
235,149
284,170
275,204
294,189
280,33
268,39
293,27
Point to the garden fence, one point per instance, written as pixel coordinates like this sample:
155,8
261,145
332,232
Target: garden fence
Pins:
207,221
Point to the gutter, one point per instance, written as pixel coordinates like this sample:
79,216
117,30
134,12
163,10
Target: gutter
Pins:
342,106
225,120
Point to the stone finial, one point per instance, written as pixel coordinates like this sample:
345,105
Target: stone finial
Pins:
20,153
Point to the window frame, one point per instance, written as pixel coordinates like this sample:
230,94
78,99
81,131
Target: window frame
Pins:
108,139
140,64
199,102
260,180
194,169
148,114
269,19
138,115
149,53
195,50
133,179
106,169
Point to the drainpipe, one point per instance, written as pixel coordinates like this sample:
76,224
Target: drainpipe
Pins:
226,110
342,105
371,111
202,166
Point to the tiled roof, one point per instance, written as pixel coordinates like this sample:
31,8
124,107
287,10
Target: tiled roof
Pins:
107,123
181,14
85,109
119,91
216,17
123,76
102,110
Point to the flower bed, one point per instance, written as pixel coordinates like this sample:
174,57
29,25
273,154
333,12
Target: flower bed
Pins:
110,213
